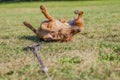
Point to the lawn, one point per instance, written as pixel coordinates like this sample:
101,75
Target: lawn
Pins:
93,54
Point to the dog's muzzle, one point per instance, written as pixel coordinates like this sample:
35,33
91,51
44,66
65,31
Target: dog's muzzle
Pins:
78,30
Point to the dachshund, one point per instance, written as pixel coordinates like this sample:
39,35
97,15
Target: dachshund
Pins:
57,30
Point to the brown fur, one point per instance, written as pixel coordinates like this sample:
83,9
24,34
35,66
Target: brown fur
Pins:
57,30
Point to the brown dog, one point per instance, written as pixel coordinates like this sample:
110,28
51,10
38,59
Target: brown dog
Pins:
57,30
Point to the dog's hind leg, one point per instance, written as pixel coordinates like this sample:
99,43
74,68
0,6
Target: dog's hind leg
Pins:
44,11
50,18
29,26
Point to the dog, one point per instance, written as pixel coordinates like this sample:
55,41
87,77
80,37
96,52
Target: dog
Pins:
57,30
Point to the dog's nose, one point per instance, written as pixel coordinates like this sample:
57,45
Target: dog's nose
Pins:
78,30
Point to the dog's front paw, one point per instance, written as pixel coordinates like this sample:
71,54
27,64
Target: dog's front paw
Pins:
76,11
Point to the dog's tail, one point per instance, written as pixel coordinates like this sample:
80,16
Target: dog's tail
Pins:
29,26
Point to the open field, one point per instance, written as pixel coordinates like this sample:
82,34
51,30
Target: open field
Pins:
93,54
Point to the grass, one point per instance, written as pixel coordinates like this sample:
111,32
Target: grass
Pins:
94,54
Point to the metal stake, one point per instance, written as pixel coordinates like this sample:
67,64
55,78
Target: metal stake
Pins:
35,48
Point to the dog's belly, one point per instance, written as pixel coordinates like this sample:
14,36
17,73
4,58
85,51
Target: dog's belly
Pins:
55,26
58,25
44,32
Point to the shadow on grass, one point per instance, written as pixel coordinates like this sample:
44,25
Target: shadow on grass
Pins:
35,39
31,38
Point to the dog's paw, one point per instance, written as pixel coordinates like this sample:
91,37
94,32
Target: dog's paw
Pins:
42,7
26,23
76,11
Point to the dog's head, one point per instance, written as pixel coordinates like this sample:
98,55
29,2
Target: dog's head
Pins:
79,20
78,12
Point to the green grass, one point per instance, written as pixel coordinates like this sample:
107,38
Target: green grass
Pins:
94,54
